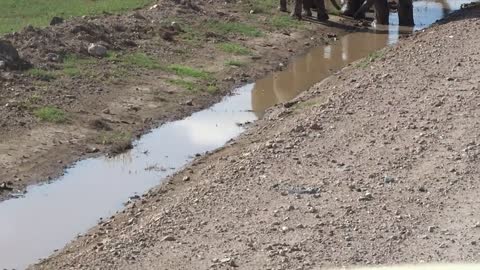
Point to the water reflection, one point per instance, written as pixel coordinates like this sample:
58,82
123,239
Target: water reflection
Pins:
321,62
316,65
50,215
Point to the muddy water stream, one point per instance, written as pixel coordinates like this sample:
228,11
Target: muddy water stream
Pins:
50,215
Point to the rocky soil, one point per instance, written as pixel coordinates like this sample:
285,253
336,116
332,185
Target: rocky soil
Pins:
377,164
107,100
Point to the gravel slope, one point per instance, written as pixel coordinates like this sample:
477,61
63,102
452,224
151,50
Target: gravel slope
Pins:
374,165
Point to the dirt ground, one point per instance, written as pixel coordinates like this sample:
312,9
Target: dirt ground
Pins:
106,102
374,165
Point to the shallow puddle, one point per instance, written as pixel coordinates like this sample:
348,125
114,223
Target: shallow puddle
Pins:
321,62
51,215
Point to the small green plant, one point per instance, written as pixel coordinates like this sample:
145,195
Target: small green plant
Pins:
43,75
114,137
119,141
370,58
235,63
284,22
225,28
234,48
212,88
191,86
51,114
74,65
34,99
184,71
191,36
72,71
140,60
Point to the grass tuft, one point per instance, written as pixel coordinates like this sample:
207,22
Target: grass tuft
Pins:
140,60
41,74
234,48
191,86
235,63
50,114
225,28
284,22
184,71
372,57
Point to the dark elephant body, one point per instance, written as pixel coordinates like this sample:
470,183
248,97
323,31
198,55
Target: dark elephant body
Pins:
357,9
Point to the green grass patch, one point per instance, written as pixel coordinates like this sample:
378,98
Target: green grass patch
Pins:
372,57
114,137
225,28
119,141
234,48
191,36
191,86
74,65
51,114
235,63
212,88
185,71
140,60
17,14
284,22
41,74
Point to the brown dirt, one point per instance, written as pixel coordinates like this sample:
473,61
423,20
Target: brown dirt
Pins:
124,100
374,165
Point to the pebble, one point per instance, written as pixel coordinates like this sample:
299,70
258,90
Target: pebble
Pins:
168,238
97,50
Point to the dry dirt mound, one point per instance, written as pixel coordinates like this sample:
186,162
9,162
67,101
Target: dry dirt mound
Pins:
115,32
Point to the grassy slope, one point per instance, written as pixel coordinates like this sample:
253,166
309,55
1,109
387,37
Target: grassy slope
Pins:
16,14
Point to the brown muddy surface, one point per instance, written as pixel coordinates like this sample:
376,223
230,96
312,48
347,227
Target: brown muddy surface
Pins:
108,101
377,164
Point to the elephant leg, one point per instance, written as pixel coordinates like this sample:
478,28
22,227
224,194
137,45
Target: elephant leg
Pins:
351,7
382,12
297,10
283,5
322,14
360,13
405,13
307,7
